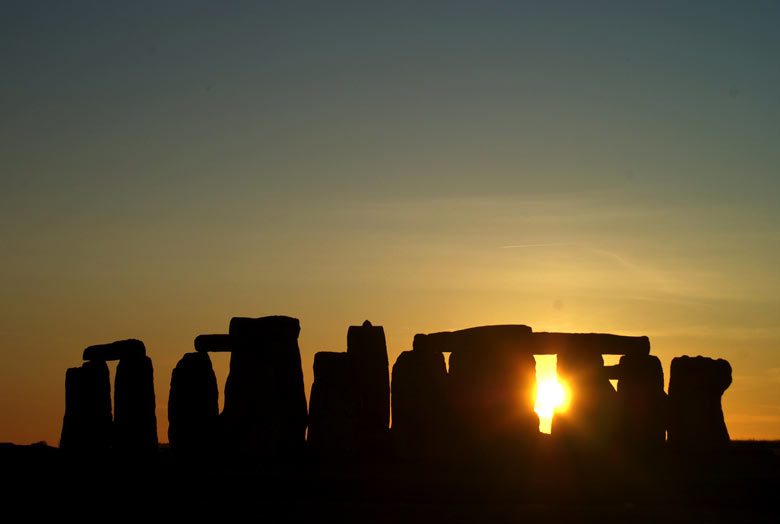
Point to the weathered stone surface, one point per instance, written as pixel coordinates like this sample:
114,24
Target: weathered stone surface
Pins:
135,421
87,423
115,350
367,348
641,403
603,343
213,343
493,386
265,404
422,413
193,405
590,420
696,386
334,406
495,337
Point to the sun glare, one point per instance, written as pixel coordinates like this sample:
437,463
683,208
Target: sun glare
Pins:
551,395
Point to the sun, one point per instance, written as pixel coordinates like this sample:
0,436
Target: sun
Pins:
551,396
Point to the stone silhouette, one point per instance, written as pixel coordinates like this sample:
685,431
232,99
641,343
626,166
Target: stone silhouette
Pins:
590,419
135,421
334,407
118,350
641,403
367,349
544,343
87,425
422,416
696,385
213,343
492,377
193,405
265,411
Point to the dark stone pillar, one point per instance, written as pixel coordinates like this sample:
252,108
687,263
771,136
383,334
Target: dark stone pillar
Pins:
422,417
367,348
334,407
641,403
193,405
696,386
135,421
265,403
87,426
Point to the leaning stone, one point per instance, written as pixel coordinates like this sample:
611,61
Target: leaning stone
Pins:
334,407
115,350
135,421
696,386
193,405
86,426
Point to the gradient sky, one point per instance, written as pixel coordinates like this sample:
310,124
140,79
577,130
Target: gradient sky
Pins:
167,165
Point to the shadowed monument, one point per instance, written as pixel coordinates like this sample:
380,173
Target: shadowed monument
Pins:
87,421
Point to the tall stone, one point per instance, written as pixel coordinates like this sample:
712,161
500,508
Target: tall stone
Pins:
422,416
367,348
641,403
193,405
265,403
334,407
493,386
696,386
591,418
135,421
86,426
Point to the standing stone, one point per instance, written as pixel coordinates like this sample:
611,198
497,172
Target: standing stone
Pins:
334,407
86,426
641,403
193,405
422,417
265,402
696,386
493,386
135,422
591,418
367,348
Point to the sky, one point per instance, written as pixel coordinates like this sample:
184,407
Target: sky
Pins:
429,166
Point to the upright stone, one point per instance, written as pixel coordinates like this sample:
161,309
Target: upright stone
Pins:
86,426
265,403
591,418
641,403
696,386
135,421
193,405
367,348
492,375
334,407
422,417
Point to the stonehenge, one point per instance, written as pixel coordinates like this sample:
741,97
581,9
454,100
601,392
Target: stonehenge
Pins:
476,405
88,422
